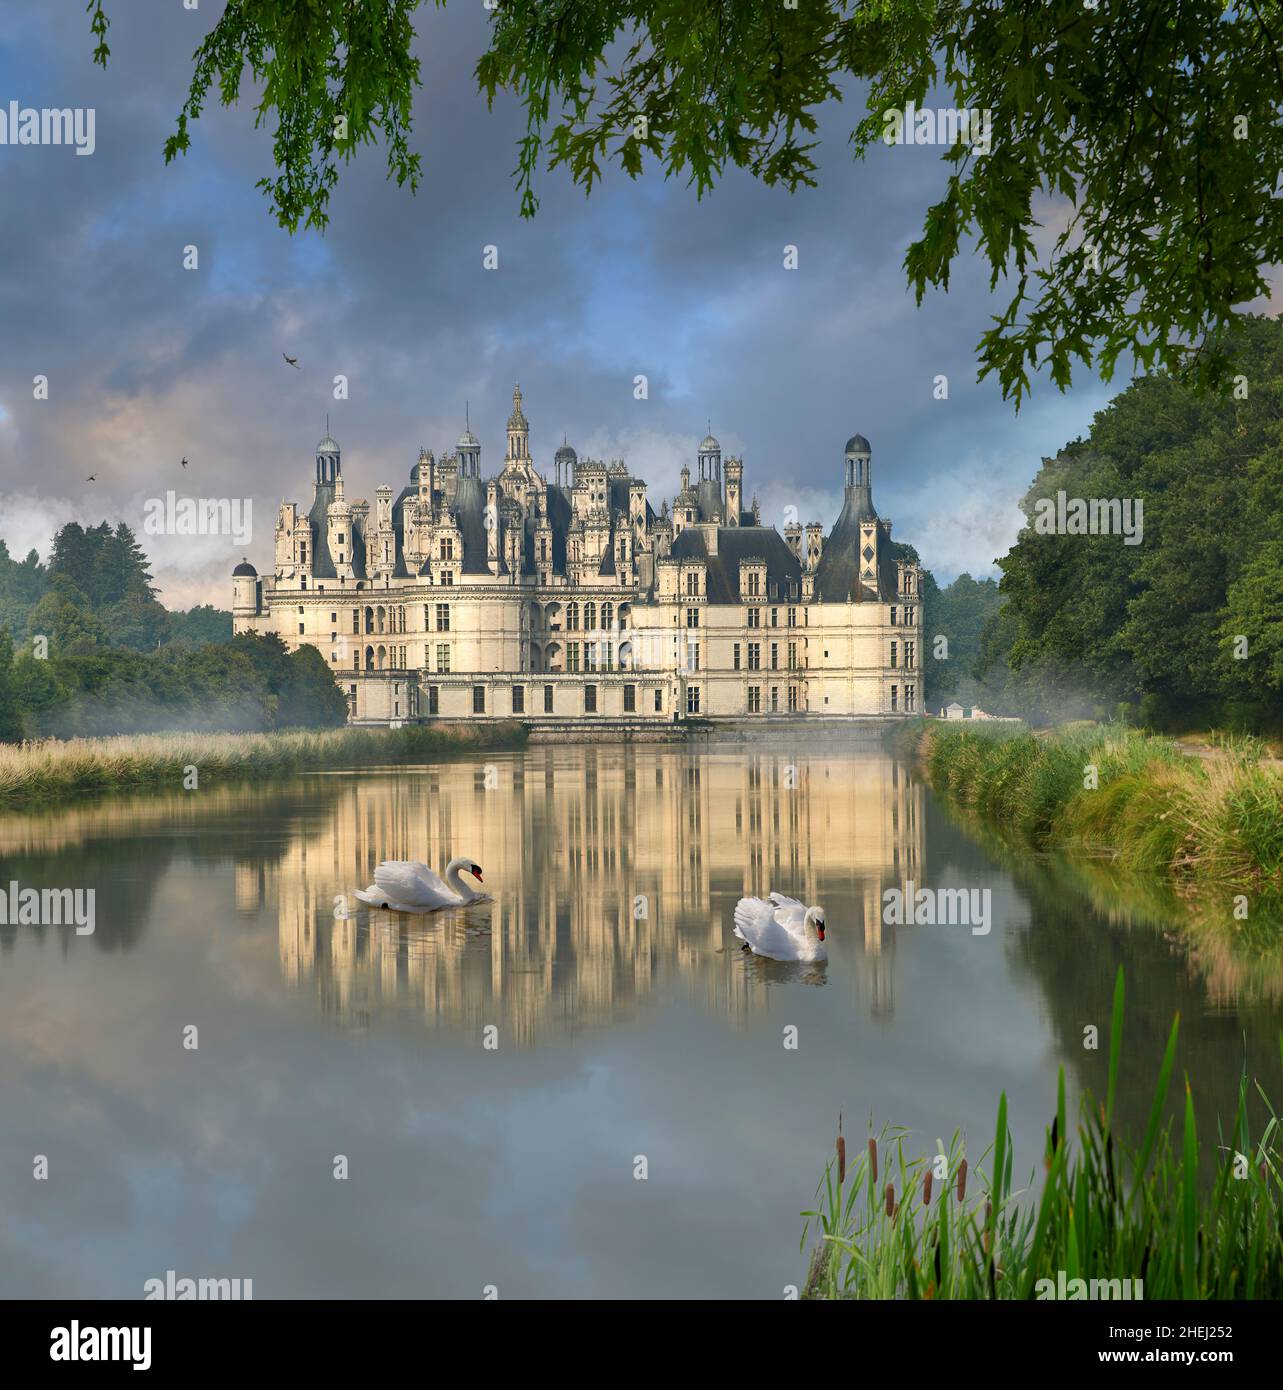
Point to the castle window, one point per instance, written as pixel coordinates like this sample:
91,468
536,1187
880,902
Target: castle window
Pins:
443,658
737,656
775,656
572,617
447,577
334,617
659,709
893,614
754,656
590,656
692,656
630,699
910,698
518,699
547,699
590,699
692,699
755,617
607,615
775,699
895,691
443,617
792,699
572,656
908,662
447,548
692,617
775,617
434,699
755,699
590,616
478,699
692,585
792,656
894,646
791,617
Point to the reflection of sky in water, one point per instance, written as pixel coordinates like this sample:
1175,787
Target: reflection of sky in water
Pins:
321,1037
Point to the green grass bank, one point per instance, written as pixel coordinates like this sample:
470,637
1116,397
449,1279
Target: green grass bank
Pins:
1133,797
52,769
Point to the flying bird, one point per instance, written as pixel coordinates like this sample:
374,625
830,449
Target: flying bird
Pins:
184,463
293,361
92,478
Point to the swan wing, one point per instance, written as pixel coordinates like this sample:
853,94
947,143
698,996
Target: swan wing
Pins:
402,882
756,923
790,913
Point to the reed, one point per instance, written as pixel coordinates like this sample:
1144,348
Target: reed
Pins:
1184,1216
1151,806
52,768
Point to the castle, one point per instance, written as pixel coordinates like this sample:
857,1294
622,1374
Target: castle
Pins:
573,600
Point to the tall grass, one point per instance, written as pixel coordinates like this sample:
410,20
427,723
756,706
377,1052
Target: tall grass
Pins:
1185,1217
52,768
1132,796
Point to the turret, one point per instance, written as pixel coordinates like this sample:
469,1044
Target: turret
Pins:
244,592
518,431
859,479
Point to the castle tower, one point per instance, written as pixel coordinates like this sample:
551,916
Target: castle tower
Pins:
328,465
468,450
710,460
518,431
859,475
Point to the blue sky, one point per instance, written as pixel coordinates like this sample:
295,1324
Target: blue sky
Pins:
149,363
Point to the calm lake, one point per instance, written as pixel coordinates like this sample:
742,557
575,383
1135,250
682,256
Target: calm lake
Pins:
628,1023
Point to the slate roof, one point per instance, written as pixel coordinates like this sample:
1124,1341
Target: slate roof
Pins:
837,577
735,544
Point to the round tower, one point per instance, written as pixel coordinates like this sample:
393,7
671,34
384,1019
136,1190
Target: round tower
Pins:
244,594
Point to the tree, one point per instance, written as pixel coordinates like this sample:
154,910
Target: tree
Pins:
1090,621
12,724
1155,123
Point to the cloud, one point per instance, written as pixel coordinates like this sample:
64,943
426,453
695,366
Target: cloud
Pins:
148,362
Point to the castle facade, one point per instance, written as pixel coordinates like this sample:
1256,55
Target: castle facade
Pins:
514,596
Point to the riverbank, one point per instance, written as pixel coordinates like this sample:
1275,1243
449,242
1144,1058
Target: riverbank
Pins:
51,769
1135,798
1179,1216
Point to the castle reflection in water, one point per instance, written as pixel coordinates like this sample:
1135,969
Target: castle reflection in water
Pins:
614,870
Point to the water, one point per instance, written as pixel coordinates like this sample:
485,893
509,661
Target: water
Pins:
629,1024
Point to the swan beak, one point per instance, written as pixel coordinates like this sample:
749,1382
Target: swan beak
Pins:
476,873
820,931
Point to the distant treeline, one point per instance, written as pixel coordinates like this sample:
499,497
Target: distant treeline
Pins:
86,648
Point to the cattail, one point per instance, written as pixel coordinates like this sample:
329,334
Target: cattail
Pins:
890,1199
926,1189
841,1153
988,1214
962,1180
873,1158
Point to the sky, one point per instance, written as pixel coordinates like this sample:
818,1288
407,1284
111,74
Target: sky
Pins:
148,363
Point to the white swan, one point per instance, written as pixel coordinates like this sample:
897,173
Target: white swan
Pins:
782,929
403,885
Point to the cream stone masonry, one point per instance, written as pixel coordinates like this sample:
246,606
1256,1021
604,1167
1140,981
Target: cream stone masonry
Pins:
572,600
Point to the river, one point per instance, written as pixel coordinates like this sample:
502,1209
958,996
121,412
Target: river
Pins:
582,1089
